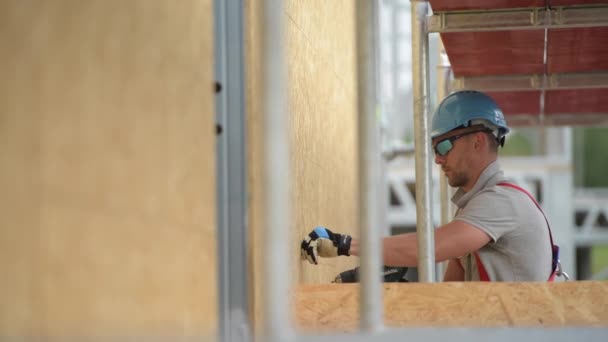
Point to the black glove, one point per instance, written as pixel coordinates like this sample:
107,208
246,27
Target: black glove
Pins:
322,242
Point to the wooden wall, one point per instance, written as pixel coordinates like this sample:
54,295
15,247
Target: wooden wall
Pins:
320,48
107,200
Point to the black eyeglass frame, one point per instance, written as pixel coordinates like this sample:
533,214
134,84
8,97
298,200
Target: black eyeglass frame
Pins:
453,138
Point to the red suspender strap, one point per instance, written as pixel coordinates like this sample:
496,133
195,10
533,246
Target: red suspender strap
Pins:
483,274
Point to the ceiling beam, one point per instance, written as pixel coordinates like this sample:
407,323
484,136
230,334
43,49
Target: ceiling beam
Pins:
519,19
586,80
558,119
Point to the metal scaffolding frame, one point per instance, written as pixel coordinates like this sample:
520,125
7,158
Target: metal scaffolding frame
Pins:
276,292
422,141
582,80
231,168
469,334
444,75
369,177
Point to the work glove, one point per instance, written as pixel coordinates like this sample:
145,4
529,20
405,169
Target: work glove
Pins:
322,242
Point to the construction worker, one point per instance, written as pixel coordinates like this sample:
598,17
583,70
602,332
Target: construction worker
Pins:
499,233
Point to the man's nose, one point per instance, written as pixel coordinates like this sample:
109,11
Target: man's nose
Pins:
439,159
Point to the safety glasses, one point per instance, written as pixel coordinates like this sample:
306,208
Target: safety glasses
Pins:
444,146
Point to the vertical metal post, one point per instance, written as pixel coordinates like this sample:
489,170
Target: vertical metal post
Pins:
444,191
420,73
443,82
277,315
369,171
231,169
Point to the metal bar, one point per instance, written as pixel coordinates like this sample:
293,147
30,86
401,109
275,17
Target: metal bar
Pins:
231,172
583,80
420,90
369,172
443,81
591,239
470,334
577,119
542,129
393,151
579,16
396,64
587,80
444,193
277,314
558,119
498,83
519,19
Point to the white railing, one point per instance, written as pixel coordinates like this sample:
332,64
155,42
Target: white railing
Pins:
591,216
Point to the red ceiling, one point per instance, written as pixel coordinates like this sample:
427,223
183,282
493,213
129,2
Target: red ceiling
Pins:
576,101
495,53
521,52
518,102
577,50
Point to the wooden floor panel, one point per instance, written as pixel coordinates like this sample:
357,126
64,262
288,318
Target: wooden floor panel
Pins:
334,307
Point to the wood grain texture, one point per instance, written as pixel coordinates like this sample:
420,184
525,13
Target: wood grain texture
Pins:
334,307
320,57
323,127
107,208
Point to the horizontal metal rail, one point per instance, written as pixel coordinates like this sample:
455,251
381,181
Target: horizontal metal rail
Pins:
519,19
558,119
587,80
470,334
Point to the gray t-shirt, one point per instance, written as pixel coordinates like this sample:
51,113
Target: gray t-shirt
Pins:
520,248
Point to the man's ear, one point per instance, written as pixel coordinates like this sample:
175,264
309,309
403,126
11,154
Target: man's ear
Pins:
479,140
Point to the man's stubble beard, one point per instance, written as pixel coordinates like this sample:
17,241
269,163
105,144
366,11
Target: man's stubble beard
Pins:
458,180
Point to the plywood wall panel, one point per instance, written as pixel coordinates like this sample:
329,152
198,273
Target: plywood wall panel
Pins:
323,150
108,201
321,73
320,57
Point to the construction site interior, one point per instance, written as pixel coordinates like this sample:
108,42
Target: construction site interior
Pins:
162,160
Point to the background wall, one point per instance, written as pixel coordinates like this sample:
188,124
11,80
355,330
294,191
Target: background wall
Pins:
320,44
107,214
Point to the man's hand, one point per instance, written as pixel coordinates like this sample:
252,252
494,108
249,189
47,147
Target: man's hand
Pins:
322,242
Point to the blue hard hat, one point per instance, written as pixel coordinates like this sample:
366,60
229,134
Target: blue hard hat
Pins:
463,108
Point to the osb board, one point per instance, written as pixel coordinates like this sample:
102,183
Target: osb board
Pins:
322,97
334,307
107,208
320,52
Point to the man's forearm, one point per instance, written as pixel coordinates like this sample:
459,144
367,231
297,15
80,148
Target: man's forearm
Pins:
398,250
